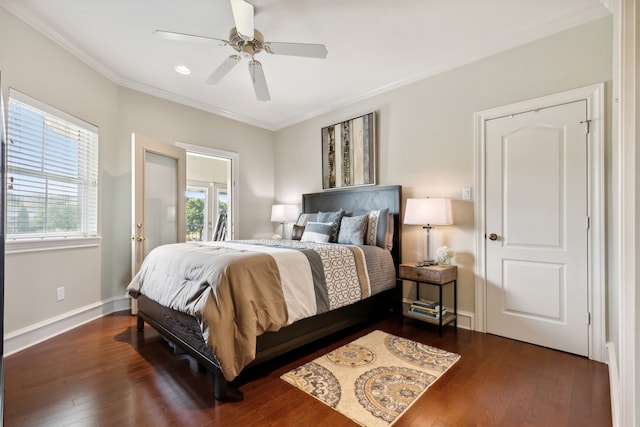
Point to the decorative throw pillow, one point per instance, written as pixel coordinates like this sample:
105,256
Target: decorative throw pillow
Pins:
306,217
352,230
297,231
390,231
334,218
377,228
317,232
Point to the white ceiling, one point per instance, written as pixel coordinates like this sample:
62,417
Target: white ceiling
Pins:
374,45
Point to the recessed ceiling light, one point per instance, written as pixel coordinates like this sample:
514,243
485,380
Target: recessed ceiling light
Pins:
183,69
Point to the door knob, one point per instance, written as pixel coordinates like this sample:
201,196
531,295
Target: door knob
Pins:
493,236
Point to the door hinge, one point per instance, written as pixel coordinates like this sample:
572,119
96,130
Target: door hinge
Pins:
588,222
588,319
588,122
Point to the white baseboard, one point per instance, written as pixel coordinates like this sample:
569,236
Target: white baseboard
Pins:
614,382
466,320
31,335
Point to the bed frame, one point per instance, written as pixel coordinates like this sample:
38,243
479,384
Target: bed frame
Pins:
184,333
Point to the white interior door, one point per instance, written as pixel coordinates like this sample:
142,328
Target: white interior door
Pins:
537,227
159,192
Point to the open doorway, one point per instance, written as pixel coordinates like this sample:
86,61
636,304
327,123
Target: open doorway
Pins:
211,194
207,205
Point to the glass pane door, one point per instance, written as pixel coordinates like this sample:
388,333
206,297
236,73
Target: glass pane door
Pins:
160,200
197,219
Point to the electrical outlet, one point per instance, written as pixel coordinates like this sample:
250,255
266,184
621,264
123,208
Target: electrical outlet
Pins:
60,293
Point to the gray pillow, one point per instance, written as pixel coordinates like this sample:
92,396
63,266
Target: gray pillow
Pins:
353,230
334,218
317,232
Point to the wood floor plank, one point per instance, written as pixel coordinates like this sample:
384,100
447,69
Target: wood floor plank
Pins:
106,373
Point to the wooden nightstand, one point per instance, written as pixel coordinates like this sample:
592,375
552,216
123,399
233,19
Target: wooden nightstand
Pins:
435,275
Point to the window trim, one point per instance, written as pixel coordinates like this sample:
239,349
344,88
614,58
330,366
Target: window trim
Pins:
17,246
35,103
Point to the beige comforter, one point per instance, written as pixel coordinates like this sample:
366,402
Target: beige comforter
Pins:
237,290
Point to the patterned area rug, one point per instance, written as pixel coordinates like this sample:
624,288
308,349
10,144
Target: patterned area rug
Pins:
374,379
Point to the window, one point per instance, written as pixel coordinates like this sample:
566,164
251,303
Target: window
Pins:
52,172
197,213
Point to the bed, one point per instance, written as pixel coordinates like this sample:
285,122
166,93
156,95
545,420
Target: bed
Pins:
187,332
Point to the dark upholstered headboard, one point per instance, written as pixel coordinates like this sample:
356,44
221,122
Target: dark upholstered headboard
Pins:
361,198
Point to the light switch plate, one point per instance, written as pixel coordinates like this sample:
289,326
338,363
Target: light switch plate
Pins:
466,193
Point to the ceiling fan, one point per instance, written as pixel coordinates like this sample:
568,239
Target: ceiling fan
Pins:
248,42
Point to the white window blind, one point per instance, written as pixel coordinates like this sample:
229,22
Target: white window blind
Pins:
52,172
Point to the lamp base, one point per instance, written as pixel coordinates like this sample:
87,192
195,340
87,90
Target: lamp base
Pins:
427,248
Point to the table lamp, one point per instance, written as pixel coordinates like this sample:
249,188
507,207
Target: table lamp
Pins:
428,212
283,214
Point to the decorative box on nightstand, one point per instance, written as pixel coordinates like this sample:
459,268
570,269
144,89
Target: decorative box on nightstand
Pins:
435,275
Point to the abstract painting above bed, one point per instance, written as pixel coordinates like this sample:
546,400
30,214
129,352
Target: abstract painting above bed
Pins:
237,290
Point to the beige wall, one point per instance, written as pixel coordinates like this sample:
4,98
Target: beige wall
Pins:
42,69
425,130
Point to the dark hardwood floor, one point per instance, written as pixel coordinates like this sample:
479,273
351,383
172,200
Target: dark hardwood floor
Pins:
106,373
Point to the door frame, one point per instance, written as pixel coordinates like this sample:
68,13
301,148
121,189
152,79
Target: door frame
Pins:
234,230
594,95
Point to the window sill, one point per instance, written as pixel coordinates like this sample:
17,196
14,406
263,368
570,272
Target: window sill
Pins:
50,244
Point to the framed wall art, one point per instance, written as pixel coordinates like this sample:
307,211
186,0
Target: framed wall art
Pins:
349,153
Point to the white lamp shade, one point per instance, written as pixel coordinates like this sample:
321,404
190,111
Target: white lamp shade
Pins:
428,211
282,213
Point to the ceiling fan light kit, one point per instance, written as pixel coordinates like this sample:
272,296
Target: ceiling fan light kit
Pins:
244,46
248,42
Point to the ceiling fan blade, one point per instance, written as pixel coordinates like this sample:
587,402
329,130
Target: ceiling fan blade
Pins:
243,17
223,69
259,81
297,49
170,35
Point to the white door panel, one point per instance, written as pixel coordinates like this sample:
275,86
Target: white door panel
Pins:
533,289
532,217
536,202
158,197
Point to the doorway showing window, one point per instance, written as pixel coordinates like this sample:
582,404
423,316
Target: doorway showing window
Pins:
211,194
207,210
